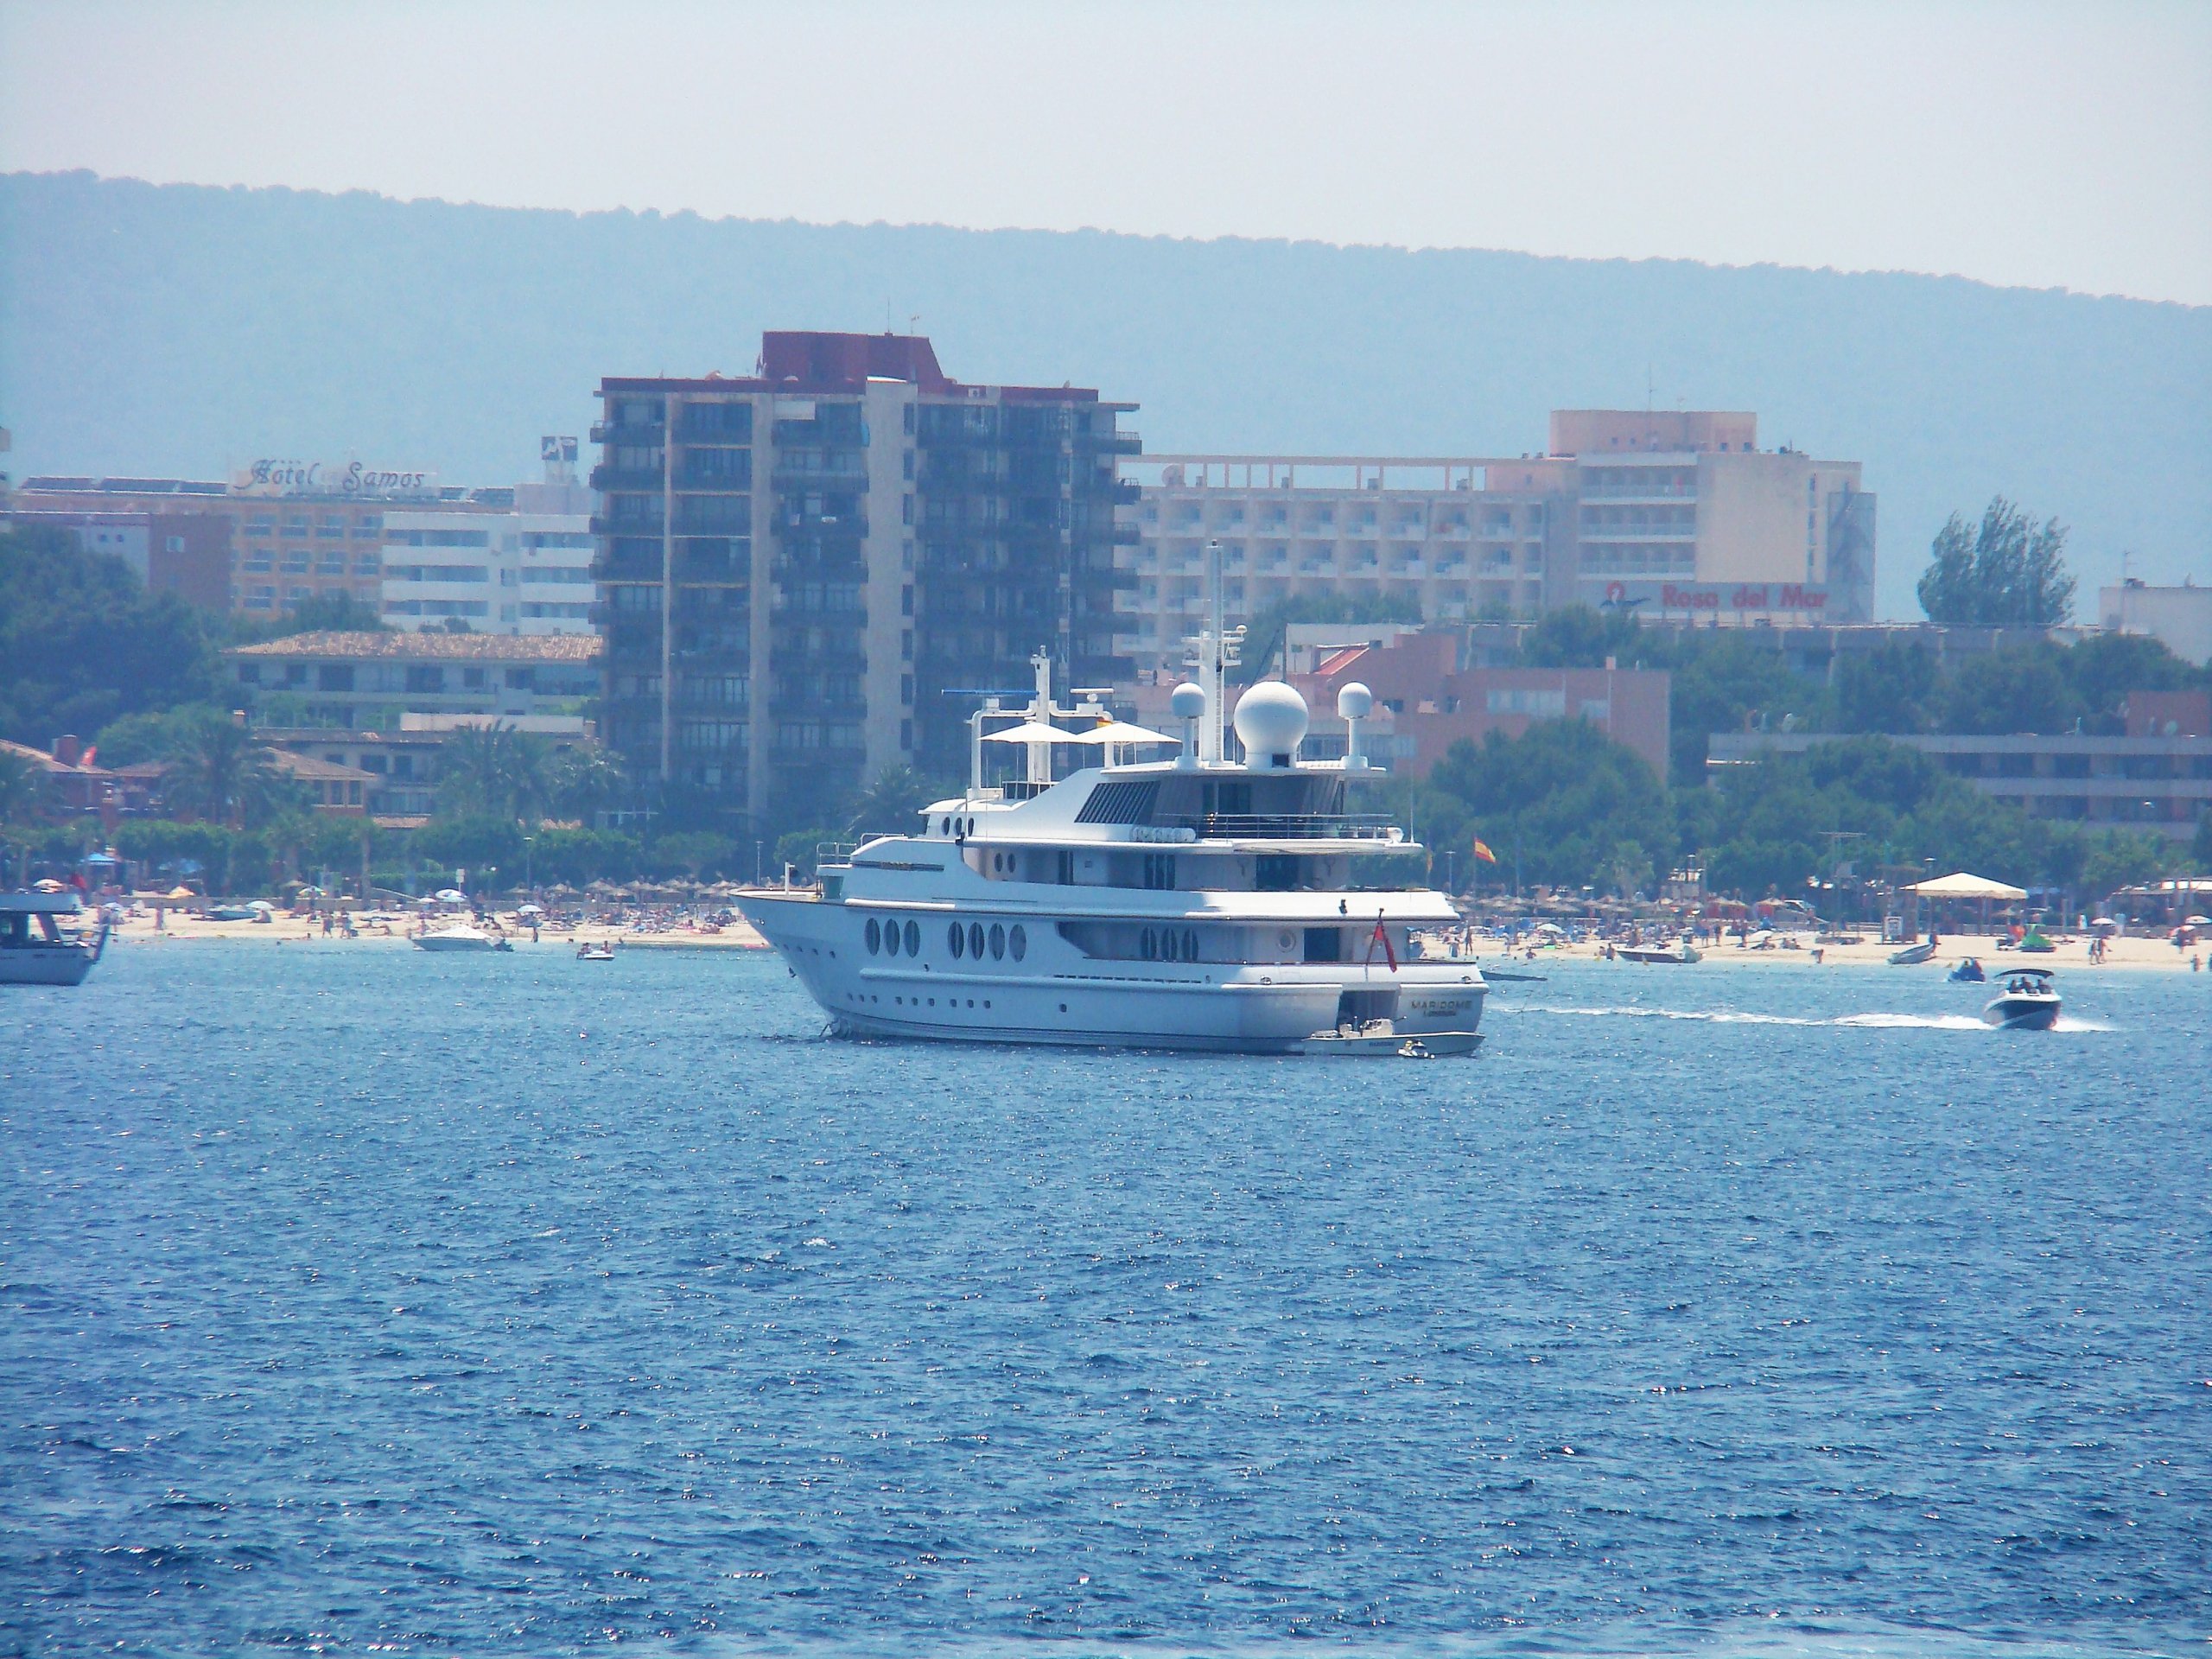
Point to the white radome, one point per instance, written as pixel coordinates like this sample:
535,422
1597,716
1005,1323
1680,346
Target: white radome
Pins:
1354,700
1186,702
1271,722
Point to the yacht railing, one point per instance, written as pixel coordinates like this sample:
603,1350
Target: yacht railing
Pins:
1286,826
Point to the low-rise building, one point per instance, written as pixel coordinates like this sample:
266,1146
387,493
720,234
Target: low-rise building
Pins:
2161,782
368,681
401,766
2181,618
1427,697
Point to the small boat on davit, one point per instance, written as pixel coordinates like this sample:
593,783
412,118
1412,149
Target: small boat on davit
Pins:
2028,1003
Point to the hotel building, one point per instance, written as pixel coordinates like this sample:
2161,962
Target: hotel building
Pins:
803,570
277,534
1677,515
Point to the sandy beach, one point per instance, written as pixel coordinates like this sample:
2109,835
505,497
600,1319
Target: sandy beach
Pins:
2071,956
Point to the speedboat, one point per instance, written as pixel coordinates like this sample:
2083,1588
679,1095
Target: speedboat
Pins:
1913,955
1200,903
1967,973
35,950
461,937
1683,952
2028,1004
1381,1039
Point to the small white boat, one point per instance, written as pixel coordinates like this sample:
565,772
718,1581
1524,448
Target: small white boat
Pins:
1913,955
595,953
1684,952
2028,1003
35,948
1379,1040
460,938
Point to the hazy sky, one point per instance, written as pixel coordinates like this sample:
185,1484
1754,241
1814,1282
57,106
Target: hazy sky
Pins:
2017,142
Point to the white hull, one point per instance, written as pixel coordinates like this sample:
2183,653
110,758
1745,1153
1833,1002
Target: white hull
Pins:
1056,994
47,964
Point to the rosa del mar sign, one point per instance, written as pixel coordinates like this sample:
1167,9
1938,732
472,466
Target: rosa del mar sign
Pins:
333,478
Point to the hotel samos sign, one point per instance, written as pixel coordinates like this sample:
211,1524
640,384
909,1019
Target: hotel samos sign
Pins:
345,479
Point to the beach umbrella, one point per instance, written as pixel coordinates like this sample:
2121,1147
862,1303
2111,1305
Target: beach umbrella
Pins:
530,910
452,896
259,904
182,893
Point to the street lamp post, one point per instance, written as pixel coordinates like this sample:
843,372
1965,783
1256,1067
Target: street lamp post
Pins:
528,846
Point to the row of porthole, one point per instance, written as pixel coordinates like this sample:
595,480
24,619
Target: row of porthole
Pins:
890,939
956,826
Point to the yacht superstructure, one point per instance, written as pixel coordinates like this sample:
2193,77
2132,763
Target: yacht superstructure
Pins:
1197,903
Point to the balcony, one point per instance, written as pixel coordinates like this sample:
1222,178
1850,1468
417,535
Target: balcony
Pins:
652,432
605,477
845,475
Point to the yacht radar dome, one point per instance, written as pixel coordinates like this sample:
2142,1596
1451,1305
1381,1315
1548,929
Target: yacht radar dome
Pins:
1271,722
1354,704
1187,703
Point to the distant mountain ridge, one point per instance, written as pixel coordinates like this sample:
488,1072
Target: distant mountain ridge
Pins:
186,329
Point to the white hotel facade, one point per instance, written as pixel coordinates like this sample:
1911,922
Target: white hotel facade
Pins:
525,571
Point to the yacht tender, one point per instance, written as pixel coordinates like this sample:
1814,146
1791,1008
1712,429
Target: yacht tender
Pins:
1196,903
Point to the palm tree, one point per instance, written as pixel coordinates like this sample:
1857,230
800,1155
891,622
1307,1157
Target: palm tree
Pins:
588,778
495,771
223,772
22,786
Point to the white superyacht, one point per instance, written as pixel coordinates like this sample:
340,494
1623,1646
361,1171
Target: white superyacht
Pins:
1196,903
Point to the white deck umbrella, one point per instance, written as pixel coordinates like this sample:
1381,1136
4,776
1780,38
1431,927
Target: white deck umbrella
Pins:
1120,731
1031,731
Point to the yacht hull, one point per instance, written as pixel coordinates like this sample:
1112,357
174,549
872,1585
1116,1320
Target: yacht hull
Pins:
47,964
1055,995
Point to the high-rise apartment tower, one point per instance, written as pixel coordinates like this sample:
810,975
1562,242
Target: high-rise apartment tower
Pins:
796,566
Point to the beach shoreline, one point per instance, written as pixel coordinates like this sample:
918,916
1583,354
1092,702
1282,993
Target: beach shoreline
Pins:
2132,955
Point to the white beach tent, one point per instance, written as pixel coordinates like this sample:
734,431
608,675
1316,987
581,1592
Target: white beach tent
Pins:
1961,885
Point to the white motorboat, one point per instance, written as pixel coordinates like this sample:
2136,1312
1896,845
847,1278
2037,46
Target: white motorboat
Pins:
1683,952
2027,1003
1382,1039
35,949
1913,955
1197,903
461,937
602,952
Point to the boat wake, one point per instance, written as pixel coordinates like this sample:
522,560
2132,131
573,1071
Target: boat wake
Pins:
1730,1017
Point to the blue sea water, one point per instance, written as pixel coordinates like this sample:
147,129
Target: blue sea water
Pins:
354,1300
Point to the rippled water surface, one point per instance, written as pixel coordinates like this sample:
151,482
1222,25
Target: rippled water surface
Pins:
358,1299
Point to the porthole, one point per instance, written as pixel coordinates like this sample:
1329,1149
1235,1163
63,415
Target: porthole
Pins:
914,939
1017,941
1190,944
998,942
1150,947
976,940
874,935
891,939
956,938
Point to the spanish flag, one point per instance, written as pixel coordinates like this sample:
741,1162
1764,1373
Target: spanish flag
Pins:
1482,851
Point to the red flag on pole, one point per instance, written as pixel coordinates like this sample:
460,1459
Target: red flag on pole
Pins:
1381,937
